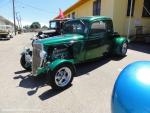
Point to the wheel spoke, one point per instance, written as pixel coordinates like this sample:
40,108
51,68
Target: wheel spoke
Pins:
63,76
26,64
61,82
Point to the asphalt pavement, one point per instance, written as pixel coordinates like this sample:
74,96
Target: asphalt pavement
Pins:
90,91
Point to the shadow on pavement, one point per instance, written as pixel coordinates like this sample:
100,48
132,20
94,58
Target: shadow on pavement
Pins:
50,93
22,71
115,58
86,68
141,47
30,82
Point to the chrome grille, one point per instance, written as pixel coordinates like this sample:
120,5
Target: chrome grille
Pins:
36,60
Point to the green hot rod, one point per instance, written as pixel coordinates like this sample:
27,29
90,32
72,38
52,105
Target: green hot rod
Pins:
83,39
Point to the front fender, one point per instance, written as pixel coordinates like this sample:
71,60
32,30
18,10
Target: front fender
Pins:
118,41
26,51
52,65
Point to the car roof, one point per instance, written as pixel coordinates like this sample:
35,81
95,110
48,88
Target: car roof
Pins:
93,18
61,19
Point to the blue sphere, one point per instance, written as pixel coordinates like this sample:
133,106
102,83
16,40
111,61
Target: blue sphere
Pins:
131,92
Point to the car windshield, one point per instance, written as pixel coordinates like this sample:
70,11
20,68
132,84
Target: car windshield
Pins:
74,27
53,25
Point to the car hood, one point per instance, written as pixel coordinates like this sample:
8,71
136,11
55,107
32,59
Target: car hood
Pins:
49,31
60,39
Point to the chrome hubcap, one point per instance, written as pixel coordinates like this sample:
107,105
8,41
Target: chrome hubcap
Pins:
124,48
63,76
28,60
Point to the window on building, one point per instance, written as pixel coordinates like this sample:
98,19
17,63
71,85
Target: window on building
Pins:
98,27
131,3
69,16
146,8
96,7
73,15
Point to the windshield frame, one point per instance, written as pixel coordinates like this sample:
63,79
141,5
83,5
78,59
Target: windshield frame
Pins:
82,22
56,26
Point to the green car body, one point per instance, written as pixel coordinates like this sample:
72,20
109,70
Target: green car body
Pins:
93,37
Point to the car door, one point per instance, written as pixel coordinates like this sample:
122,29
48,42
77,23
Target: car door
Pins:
96,45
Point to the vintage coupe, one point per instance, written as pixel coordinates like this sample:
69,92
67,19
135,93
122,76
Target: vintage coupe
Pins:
83,39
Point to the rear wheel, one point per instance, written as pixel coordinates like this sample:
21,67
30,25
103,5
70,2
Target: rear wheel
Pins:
61,77
124,48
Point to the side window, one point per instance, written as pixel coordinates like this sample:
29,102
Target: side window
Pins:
98,27
109,25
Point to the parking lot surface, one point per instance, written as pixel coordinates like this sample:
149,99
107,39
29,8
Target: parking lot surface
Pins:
90,91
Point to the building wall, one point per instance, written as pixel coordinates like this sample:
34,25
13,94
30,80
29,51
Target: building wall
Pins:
87,9
121,20
107,7
2,22
117,10
83,10
5,25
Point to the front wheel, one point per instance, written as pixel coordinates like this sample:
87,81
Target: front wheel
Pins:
25,62
61,77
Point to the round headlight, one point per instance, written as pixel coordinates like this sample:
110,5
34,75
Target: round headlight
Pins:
43,54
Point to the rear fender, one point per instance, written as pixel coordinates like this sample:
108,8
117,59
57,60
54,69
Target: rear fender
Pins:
118,41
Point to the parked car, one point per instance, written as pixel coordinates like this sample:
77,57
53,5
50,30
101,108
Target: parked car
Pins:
6,32
83,39
5,35
55,28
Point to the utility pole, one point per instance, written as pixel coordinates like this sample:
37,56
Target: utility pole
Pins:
20,21
14,16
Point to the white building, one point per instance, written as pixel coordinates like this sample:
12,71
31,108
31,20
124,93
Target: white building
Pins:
5,25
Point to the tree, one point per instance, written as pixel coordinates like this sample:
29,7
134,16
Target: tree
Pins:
44,27
27,27
35,25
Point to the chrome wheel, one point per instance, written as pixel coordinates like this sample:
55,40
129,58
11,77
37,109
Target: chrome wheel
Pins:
124,48
28,60
63,76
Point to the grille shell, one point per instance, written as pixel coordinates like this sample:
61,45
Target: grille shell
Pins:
36,59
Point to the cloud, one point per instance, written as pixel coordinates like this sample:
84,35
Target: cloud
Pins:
26,23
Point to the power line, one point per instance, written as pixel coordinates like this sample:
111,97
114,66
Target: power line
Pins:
33,7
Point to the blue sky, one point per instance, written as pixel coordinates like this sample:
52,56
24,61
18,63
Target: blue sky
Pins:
34,10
